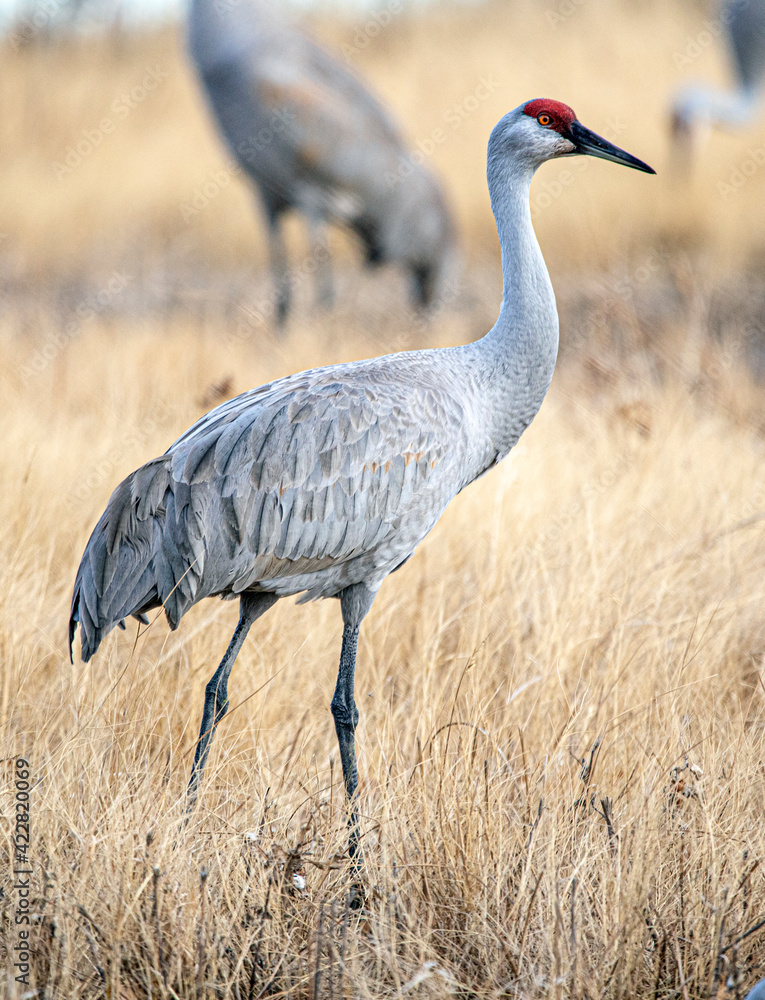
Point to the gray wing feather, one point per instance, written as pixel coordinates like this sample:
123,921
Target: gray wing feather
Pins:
284,488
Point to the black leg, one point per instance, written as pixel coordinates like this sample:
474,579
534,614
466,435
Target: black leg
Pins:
320,249
279,267
252,606
422,286
346,716
355,603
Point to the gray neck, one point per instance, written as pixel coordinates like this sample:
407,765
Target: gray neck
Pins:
519,352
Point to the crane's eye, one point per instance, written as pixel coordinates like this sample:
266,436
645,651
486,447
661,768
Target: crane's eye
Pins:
544,119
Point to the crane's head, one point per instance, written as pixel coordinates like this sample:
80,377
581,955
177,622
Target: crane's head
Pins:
543,129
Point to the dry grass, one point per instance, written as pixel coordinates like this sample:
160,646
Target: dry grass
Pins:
562,695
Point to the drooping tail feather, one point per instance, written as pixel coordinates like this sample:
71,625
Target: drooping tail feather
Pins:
137,558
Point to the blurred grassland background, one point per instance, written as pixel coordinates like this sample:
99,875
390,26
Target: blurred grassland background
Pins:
562,697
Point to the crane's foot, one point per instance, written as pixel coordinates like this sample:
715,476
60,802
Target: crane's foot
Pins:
357,896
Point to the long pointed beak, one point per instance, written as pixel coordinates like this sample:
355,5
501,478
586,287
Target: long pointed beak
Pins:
591,144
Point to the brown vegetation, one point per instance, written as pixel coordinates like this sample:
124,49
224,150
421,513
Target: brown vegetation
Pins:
562,695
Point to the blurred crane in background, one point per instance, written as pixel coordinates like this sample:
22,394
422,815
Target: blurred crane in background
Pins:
323,483
743,24
312,138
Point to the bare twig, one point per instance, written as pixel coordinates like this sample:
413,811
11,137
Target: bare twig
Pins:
572,937
158,926
201,941
319,944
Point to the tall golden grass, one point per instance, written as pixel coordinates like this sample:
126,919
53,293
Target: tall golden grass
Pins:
562,696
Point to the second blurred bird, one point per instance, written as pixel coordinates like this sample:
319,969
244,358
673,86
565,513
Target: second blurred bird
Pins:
312,138
743,24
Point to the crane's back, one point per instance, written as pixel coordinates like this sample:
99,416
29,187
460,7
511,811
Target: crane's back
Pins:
312,137
305,486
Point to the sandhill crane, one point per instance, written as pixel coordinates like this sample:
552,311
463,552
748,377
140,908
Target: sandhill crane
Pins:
323,483
743,22
313,138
